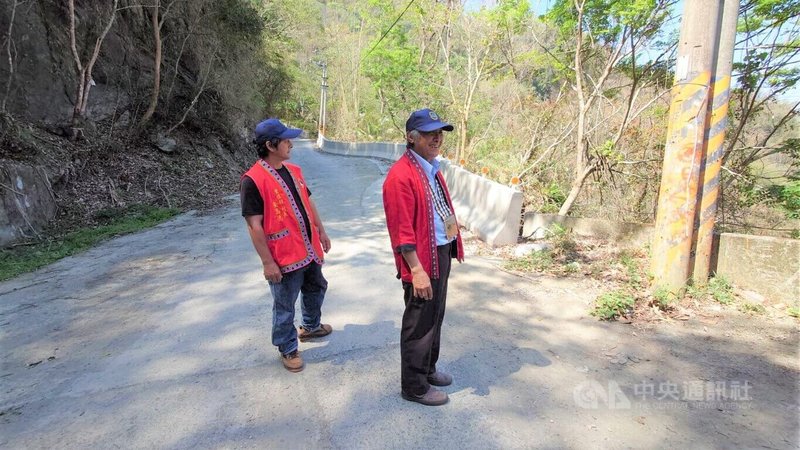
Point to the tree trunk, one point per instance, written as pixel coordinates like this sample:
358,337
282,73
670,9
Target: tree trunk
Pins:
85,81
9,43
577,185
157,65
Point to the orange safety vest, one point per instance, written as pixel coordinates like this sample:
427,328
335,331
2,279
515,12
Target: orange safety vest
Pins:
287,238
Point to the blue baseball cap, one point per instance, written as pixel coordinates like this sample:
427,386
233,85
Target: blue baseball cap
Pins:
273,128
426,120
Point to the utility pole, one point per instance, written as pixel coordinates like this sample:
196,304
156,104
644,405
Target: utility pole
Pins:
678,198
715,139
323,98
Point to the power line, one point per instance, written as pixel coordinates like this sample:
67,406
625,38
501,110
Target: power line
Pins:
388,30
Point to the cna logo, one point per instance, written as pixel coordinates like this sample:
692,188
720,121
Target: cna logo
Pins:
433,116
591,395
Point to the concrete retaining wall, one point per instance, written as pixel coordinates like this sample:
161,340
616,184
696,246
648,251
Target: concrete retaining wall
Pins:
767,265
770,266
490,210
628,234
26,202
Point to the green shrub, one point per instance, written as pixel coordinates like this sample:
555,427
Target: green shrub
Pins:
721,290
613,304
790,199
554,197
664,299
632,269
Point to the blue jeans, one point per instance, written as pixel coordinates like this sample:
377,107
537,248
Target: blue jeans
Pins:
308,281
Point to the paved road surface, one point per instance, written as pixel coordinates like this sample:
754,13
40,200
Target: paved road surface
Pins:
161,340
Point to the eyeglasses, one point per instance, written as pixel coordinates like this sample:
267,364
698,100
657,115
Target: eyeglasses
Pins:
431,133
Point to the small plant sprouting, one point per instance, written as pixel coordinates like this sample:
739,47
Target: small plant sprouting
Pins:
540,260
612,305
752,308
664,299
721,290
718,288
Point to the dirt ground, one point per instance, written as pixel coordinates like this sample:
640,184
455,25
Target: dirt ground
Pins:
113,346
697,347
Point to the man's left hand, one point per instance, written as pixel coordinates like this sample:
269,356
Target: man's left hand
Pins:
325,240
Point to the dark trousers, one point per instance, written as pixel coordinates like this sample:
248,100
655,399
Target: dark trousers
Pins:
422,329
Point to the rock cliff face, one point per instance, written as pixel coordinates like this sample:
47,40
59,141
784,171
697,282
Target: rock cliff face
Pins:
48,179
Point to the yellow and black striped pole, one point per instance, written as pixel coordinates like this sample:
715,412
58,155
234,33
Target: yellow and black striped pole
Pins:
715,141
671,260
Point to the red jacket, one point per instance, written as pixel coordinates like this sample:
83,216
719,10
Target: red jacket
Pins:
409,215
287,239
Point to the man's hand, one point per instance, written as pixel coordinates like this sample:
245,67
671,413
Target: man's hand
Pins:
272,272
325,240
421,283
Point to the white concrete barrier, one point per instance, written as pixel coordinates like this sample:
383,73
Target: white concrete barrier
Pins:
383,150
767,265
489,209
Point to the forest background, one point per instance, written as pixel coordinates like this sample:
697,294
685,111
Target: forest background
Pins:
569,99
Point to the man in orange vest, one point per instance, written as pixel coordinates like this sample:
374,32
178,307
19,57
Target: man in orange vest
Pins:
287,233
425,238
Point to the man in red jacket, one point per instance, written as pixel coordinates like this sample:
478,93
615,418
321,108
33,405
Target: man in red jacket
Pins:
425,237
288,236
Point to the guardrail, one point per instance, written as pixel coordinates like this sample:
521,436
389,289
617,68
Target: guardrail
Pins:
494,213
489,209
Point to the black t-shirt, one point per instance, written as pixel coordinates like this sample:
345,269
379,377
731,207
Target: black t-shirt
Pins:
253,204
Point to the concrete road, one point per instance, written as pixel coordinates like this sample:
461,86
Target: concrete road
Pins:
161,340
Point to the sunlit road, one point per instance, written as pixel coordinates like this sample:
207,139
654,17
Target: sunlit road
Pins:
161,340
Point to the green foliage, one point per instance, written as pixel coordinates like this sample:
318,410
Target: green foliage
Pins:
608,151
18,260
398,76
768,34
535,261
717,288
612,305
562,239
554,198
793,311
753,308
606,19
721,290
790,199
632,268
664,299
510,15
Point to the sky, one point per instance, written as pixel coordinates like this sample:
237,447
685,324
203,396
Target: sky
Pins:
539,6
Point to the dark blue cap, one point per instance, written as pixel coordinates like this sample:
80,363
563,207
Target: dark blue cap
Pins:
273,128
426,120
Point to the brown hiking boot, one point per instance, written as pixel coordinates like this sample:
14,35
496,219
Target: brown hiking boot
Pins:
292,361
433,397
323,330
